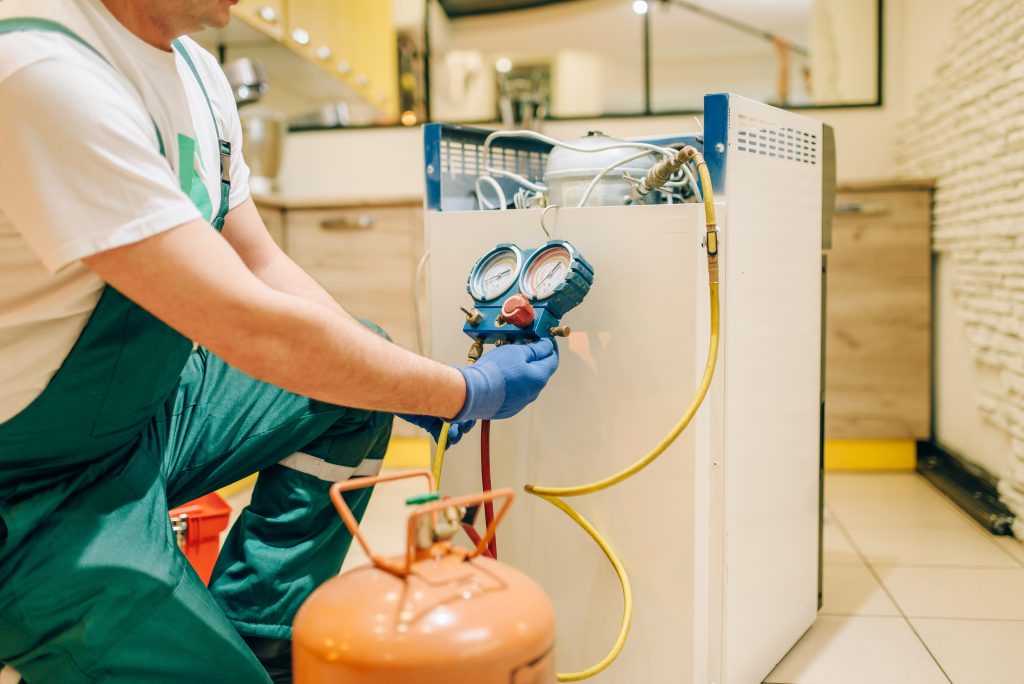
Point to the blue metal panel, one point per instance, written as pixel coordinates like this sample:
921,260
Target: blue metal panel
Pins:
432,159
716,138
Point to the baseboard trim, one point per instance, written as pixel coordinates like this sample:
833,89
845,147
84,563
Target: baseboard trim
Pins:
870,454
969,486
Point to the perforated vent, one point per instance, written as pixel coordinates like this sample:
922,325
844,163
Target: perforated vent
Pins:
468,159
755,136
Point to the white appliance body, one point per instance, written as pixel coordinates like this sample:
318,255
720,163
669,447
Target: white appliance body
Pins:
721,535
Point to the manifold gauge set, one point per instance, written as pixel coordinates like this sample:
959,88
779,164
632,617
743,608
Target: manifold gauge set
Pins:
521,295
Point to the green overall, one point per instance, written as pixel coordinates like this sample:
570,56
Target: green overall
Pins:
93,587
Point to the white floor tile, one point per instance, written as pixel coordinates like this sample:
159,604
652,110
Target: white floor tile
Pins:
858,650
976,651
845,485
982,593
963,546
912,506
837,548
853,590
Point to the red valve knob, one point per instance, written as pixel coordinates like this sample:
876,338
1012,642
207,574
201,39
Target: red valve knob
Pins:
517,311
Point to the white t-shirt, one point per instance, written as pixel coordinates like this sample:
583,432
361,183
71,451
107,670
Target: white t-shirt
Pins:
81,171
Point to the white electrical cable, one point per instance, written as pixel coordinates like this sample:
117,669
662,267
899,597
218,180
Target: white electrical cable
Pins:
537,187
503,203
416,301
522,180
575,148
604,172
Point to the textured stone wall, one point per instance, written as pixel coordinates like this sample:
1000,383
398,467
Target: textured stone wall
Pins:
968,133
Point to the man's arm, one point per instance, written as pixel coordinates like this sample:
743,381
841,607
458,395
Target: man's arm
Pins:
191,278
245,232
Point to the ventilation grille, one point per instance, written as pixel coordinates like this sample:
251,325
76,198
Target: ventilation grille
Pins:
755,136
465,158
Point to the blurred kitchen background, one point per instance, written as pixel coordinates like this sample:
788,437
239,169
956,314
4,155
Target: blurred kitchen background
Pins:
383,65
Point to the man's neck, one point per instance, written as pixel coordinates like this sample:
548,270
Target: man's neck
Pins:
141,19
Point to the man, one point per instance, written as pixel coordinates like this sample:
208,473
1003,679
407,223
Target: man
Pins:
127,232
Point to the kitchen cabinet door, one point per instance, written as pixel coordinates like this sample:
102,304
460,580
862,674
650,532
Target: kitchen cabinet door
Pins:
311,28
878,347
365,258
267,16
366,51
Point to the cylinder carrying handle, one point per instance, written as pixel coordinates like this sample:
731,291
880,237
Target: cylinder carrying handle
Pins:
349,518
462,501
433,508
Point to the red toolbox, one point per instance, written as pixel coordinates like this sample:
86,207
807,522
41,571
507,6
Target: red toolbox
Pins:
198,525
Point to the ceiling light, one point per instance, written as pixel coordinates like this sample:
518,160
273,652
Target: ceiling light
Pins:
640,6
503,65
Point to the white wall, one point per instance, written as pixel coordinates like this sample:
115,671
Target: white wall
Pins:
968,133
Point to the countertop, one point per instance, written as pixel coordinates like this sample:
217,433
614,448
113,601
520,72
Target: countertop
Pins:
887,185
289,203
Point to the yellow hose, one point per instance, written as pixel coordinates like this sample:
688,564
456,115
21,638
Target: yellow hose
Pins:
552,494
627,592
442,443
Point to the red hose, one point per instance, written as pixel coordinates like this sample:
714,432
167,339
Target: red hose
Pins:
485,476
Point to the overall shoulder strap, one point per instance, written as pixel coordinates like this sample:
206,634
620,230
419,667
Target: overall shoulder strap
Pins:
181,50
224,145
19,24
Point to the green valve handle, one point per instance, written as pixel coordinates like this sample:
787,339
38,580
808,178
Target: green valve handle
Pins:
422,499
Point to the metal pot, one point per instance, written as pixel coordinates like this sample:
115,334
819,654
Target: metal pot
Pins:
263,134
248,80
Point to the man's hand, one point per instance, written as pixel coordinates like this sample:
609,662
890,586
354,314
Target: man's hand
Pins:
507,379
433,426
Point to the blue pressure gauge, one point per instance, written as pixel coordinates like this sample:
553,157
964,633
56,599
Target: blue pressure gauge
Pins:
521,295
495,273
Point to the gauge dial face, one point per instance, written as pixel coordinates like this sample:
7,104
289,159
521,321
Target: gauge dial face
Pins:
496,274
546,271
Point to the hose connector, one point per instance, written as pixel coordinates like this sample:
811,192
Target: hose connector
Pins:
661,172
476,350
712,250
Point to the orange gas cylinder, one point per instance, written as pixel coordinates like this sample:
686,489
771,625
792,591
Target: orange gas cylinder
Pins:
439,614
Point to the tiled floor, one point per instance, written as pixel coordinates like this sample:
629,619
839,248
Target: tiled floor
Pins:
915,592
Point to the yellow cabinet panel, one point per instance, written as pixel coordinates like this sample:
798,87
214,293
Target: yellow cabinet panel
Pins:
365,40
310,29
266,16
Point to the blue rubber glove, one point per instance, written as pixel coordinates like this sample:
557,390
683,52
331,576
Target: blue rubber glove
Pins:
505,380
433,426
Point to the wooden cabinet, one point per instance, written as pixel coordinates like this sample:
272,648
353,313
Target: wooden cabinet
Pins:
364,255
310,29
267,16
878,319
365,39
365,258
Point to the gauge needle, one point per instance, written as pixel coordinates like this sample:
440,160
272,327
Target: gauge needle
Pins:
551,274
498,275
